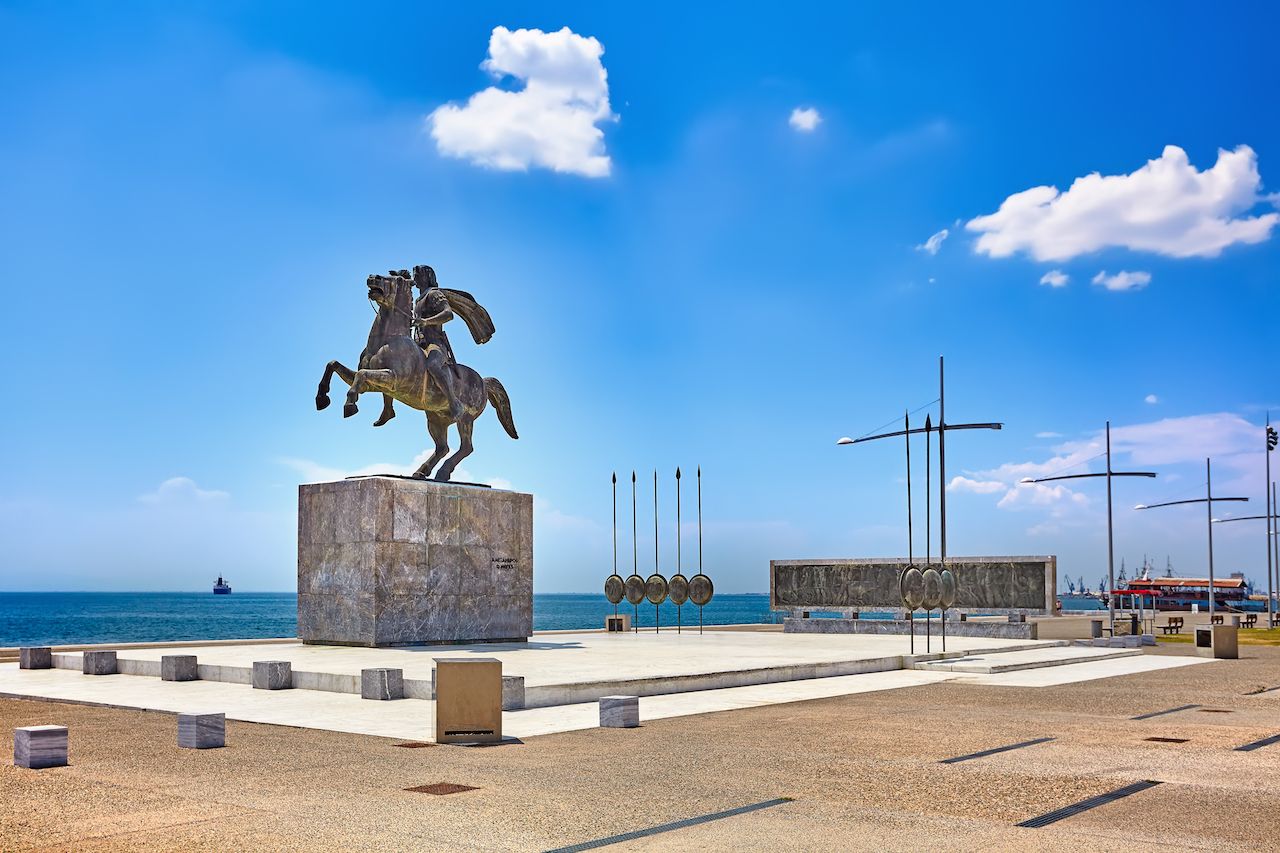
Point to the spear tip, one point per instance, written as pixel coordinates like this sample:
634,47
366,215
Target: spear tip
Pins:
677,472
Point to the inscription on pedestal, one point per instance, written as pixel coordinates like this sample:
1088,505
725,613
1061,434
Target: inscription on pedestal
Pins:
385,561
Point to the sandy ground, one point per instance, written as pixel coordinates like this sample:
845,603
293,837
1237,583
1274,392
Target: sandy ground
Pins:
862,772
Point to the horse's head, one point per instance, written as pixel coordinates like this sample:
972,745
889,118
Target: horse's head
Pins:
391,292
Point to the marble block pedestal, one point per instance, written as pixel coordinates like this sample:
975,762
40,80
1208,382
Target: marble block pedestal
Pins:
391,561
35,657
382,684
619,712
99,663
272,675
202,731
38,747
179,668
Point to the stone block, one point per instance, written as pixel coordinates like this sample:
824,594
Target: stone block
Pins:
202,731
1095,628
272,674
619,712
35,657
99,663
179,668
385,561
619,624
38,747
512,692
382,683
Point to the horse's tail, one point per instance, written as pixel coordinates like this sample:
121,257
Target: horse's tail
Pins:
501,404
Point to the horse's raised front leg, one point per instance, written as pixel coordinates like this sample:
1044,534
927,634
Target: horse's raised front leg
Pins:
438,427
322,393
464,448
359,386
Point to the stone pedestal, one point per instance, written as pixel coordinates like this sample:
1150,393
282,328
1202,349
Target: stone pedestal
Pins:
386,561
202,731
38,747
35,657
1217,641
179,668
382,683
272,674
99,663
619,712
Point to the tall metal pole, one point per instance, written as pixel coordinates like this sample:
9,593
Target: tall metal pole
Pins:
657,618
1111,555
911,622
615,531
1266,447
1275,534
1208,506
635,554
942,467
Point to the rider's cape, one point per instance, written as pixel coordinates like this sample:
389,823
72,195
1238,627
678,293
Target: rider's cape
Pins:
471,312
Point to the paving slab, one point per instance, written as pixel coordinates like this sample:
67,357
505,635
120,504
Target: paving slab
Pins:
1013,661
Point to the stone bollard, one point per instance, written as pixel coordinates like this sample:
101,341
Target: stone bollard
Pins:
202,731
619,712
272,674
179,668
35,657
382,683
99,663
1095,628
38,747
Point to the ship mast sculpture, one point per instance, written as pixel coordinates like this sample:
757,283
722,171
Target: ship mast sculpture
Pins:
408,358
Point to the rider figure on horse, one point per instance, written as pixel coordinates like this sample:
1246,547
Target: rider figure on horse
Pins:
434,307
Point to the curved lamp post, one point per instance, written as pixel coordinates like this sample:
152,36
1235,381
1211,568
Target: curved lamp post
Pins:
1111,559
1208,500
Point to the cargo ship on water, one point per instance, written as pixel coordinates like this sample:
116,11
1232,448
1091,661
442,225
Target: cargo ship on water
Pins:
221,587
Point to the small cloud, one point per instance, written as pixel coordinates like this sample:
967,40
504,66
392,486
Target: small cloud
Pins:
805,119
1048,435
1123,280
181,490
977,487
1055,278
550,123
1151,398
932,280
934,243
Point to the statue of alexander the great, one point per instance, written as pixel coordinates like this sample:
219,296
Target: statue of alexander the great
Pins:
408,358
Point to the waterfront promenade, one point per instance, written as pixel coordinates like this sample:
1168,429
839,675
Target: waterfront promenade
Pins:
860,771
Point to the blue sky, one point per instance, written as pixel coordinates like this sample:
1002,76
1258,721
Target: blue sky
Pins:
704,238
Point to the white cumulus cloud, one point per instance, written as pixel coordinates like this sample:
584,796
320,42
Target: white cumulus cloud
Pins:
1055,278
1153,399
978,487
805,119
1167,207
1123,280
180,490
934,243
552,123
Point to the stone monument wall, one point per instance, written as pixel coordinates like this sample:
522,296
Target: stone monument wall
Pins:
390,561
983,584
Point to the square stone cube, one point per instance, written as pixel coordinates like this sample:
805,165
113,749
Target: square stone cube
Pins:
99,663
619,712
179,668
202,731
272,674
382,683
35,657
38,747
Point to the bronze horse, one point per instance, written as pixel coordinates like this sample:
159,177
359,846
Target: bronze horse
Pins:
394,365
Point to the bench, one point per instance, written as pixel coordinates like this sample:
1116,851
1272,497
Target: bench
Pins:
1249,621
1174,626
1215,619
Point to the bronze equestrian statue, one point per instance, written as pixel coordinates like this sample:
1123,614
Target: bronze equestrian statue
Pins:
408,358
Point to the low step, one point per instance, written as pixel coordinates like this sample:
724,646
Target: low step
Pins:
987,664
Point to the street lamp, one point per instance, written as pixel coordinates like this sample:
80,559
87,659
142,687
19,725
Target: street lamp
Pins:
1273,542
1208,500
942,428
1111,559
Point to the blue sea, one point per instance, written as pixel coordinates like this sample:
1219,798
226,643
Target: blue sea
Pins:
64,618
